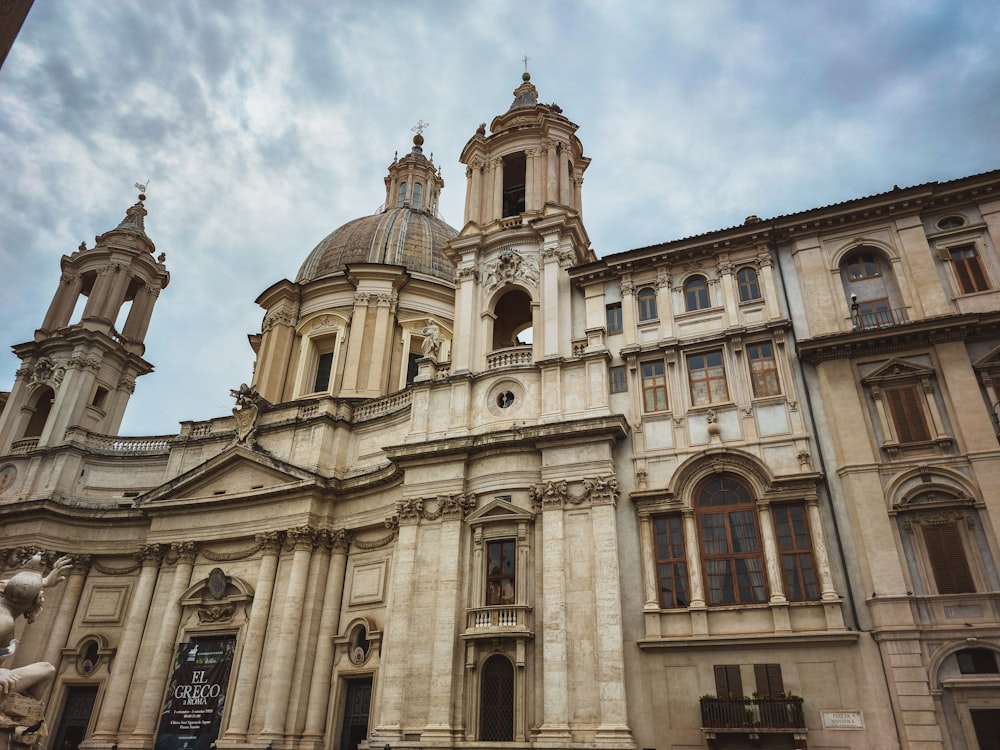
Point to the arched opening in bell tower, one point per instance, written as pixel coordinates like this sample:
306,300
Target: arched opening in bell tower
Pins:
40,407
512,325
514,169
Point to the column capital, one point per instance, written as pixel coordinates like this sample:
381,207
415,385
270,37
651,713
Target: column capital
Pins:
184,551
269,541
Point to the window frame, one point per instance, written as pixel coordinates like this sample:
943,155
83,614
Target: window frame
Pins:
705,507
646,301
864,258
796,559
708,379
696,299
654,384
671,567
907,413
748,289
613,320
503,598
617,379
975,271
763,371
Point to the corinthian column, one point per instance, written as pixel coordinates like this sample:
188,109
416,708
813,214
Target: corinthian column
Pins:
120,680
163,655
253,645
288,637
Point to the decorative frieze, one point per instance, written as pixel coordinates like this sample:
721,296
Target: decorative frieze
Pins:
510,266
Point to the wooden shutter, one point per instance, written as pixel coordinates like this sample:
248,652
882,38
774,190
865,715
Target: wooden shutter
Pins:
947,559
907,414
769,682
728,681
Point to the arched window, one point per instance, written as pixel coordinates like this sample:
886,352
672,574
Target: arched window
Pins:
730,542
871,289
402,196
749,286
42,405
696,294
647,304
513,323
496,700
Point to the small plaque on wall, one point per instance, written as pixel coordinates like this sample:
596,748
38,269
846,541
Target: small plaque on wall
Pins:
843,719
368,583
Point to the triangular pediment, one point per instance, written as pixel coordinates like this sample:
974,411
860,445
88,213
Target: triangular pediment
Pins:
898,369
236,471
990,362
498,511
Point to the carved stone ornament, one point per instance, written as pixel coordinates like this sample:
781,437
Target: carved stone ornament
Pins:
217,583
280,316
510,266
245,413
47,372
602,490
549,494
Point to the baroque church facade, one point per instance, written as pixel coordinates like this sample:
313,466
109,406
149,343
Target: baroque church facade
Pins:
486,489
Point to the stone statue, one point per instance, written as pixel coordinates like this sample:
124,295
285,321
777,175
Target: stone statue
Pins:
432,339
246,413
21,596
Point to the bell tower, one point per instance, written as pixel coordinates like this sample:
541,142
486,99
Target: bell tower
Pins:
523,228
80,369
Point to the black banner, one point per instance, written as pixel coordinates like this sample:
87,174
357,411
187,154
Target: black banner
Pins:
192,711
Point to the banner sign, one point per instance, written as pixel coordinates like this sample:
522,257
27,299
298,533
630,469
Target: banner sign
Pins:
192,710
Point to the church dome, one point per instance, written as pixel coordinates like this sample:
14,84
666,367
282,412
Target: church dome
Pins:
399,236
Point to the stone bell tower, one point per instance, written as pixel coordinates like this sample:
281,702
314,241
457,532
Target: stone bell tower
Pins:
523,228
80,369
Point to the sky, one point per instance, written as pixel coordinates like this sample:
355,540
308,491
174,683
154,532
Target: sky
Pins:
263,126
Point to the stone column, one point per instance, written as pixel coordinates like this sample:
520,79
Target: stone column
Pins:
63,302
497,190
356,344
647,552
395,661
439,713
693,550
319,692
628,310
613,730
141,313
564,186
67,610
555,667
765,277
288,637
120,681
163,656
727,284
772,558
664,305
827,590
552,181
381,343
253,644
531,202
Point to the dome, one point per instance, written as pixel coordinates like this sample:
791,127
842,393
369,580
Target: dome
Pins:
398,236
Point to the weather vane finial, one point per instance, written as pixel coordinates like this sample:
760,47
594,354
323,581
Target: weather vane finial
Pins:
141,187
419,127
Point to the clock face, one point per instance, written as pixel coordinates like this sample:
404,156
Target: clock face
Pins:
7,476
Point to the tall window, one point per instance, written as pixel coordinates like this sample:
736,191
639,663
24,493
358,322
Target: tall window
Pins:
696,293
654,386
728,682
647,304
323,369
417,190
863,266
749,286
946,555
500,567
968,269
614,317
798,569
708,378
763,369
730,543
671,567
514,170
907,412
618,382
496,700
402,196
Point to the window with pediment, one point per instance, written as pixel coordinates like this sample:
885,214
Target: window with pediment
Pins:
907,414
988,370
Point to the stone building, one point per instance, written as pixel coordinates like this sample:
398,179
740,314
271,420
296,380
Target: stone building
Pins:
486,488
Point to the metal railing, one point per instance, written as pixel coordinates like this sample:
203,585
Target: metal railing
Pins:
874,319
753,714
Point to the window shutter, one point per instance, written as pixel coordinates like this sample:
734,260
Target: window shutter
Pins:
769,682
947,559
728,681
907,414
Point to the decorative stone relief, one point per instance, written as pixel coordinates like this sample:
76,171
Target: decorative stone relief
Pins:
549,495
47,372
80,362
602,490
280,316
510,266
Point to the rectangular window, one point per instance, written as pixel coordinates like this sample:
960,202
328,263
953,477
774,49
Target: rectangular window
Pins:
500,567
946,556
323,370
618,382
614,318
906,410
728,683
968,269
654,386
671,565
708,379
798,569
763,370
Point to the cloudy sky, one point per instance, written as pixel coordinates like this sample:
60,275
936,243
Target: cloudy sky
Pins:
262,126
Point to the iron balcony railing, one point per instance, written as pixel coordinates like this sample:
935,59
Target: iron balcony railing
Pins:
872,319
753,714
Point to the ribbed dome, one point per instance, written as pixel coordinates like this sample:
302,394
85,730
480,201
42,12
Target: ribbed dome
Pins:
397,236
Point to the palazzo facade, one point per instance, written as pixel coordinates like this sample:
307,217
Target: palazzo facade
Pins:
485,489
